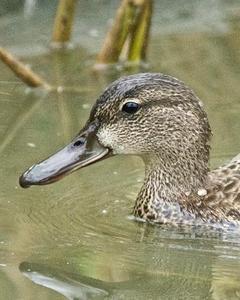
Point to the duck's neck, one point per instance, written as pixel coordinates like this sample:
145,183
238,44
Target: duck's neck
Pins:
170,181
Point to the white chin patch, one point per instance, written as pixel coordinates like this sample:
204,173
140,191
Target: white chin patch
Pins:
108,138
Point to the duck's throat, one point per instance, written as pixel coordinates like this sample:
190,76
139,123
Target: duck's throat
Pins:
167,187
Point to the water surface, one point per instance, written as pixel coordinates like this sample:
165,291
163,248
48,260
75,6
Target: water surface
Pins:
73,239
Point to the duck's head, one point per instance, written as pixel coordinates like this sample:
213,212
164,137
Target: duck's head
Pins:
151,115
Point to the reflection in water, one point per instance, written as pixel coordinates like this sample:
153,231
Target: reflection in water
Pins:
226,282
29,7
83,288
163,281
78,229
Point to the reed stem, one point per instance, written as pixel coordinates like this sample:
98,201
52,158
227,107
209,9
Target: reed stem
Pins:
139,36
116,36
62,29
128,37
22,71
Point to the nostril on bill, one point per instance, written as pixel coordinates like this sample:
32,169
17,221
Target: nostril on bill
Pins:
79,142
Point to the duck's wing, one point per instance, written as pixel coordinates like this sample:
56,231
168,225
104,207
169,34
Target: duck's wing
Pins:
224,189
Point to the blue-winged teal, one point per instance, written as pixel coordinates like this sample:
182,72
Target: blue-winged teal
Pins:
160,119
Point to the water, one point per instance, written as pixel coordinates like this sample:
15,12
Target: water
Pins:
73,239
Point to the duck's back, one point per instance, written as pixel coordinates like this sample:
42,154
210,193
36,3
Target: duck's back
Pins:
224,190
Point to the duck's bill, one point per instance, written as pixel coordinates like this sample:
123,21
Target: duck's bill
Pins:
82,151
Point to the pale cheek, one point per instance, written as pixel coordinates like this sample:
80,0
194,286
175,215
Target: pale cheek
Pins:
108,138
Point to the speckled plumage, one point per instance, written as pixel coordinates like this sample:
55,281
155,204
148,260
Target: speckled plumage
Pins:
160,119
171,133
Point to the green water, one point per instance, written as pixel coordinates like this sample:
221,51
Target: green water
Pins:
74,239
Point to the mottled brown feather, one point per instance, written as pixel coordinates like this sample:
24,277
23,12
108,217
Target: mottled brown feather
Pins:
171,134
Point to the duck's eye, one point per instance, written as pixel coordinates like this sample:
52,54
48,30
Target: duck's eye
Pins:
130,107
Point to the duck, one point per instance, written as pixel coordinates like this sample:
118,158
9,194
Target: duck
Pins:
160,119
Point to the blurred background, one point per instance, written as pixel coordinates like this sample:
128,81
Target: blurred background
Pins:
74,239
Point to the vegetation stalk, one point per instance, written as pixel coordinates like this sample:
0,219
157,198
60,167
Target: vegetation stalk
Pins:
63,22
128,37
22,71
